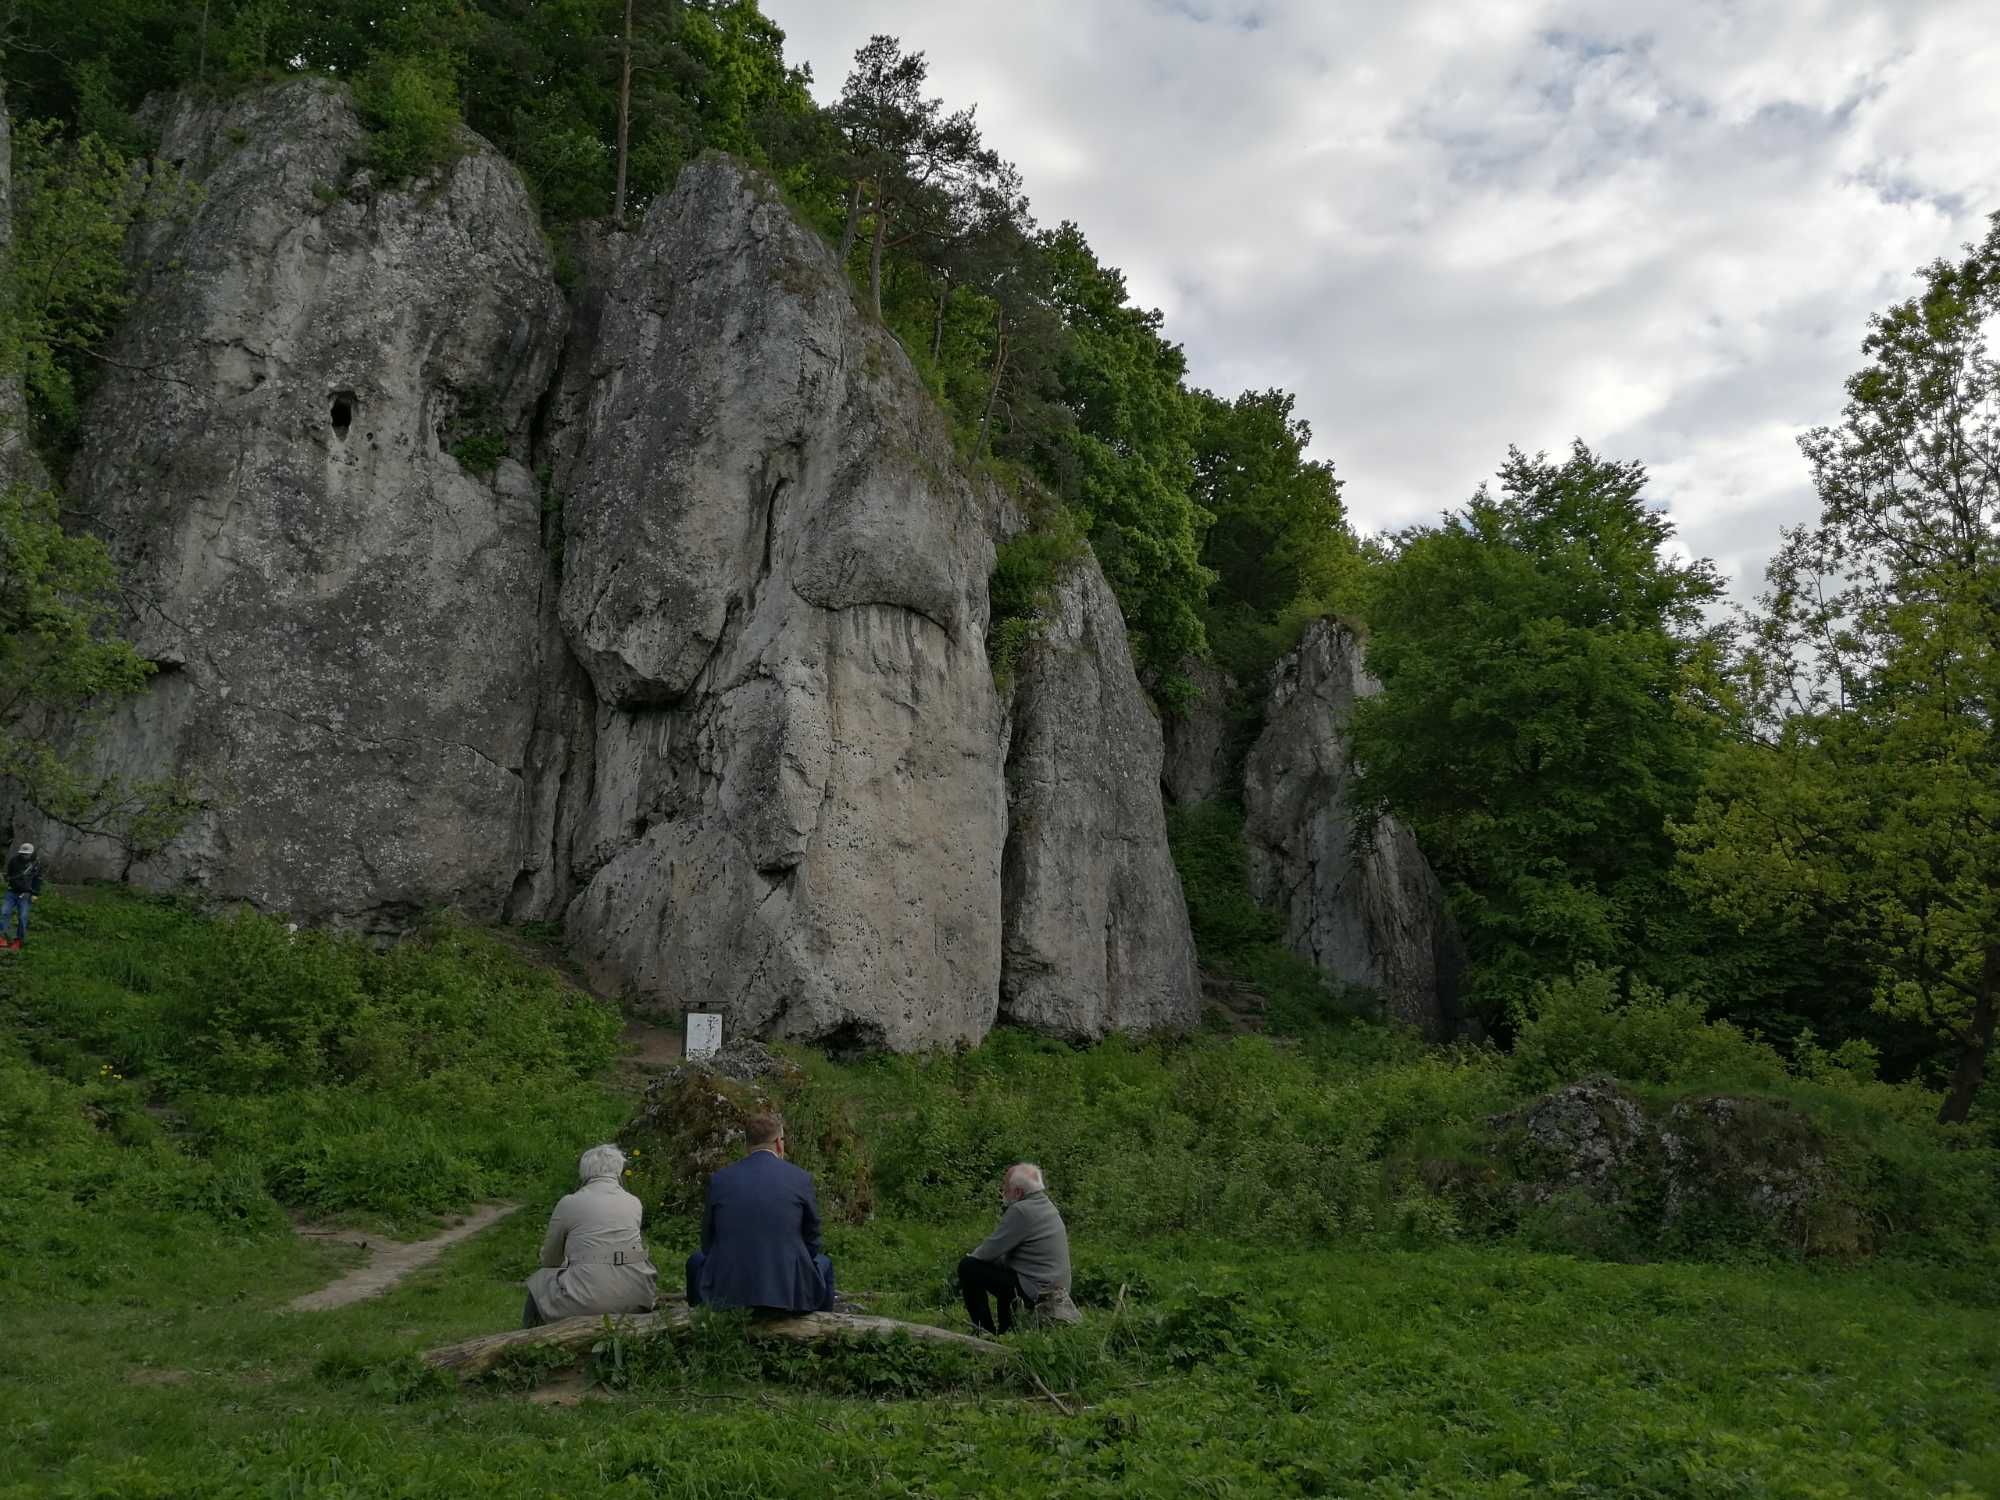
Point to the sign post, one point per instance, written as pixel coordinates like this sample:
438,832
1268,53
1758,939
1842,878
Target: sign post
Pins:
704,1035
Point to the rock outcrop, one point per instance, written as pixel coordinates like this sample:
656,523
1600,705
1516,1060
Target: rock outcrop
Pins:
341,606
1374,915
1202,739
659,609
1095,926
1703,1171
775,577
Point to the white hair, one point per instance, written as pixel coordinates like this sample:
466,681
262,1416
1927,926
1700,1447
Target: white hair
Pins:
600,1161
1026,1176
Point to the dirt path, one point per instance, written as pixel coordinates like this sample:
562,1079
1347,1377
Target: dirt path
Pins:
645,1052
390,1260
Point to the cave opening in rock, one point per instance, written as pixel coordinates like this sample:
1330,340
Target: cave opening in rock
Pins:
343,412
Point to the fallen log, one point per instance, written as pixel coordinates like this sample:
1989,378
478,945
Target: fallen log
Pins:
475,1356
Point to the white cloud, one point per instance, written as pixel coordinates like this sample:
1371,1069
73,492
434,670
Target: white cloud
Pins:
1659,225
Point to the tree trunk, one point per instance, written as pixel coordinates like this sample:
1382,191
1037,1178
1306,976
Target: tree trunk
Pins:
1976,1042
937,331
624,118
201,52
875,255
999,373
476,1356
853,228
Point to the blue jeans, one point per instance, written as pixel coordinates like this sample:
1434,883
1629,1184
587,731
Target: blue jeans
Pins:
823,1264
12,905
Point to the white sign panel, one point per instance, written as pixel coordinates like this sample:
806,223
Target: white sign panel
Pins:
704,1035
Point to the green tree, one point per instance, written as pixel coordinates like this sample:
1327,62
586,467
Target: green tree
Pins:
63,664
1541,718
65,277
62,660
1869,788
1124,458
1279,544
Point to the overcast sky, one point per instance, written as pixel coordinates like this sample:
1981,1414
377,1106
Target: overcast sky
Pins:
1451,225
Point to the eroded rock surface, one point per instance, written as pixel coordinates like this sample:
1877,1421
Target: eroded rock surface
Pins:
343,612
1097,935
775,577
1374,917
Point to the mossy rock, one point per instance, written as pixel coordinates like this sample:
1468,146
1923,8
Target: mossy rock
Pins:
693,1120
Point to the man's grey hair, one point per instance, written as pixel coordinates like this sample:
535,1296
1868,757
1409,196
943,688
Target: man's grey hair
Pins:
600,1161
1026,1176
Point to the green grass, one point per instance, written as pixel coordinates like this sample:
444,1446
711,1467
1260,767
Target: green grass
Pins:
1292,1320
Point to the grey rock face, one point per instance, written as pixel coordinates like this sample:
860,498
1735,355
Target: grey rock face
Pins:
1377,919
1199,738
717,696
775,578
344,614
1720,1163
1097,935
1589,1135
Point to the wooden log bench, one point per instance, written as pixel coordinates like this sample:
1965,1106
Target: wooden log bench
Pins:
475,1356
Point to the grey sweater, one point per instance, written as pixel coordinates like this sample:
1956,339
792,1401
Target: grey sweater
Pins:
1030,1241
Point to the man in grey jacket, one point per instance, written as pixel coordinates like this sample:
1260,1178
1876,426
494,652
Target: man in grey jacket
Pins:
593,1260
1025,1258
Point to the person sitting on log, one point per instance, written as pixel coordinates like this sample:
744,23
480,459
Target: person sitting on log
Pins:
593,1260
1025,1258
760,1243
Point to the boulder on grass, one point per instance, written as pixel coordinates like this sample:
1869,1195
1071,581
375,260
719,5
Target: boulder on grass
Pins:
692,1122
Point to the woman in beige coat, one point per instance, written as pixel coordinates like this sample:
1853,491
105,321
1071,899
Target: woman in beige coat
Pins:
593,1260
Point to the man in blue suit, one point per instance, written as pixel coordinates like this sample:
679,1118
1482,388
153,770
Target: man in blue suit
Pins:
760,1233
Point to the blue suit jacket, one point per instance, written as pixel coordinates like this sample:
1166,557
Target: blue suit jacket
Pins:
760,1232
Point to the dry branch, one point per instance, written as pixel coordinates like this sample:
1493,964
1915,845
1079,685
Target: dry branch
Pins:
475,1356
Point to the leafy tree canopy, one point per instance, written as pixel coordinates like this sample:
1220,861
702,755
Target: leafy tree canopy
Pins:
1865,792
1542,655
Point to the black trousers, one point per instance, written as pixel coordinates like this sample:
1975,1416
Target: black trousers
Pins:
981,1279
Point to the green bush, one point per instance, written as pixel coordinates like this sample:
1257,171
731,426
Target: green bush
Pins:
308,1066
1572,1027
411,106
1026,572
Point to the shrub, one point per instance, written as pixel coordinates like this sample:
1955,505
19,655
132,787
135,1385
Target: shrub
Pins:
1027,569
1581,1025
310,1067
411,106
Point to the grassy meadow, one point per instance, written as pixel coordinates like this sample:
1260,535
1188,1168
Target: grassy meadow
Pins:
1280,1298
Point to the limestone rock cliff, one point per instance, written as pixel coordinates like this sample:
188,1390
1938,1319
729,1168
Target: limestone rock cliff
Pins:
659,609
1373,917
343,611
1096,928
776,578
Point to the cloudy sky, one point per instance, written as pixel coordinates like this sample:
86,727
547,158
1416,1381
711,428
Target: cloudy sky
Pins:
1451,225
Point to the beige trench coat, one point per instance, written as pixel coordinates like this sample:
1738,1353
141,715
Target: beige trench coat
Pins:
591,1231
